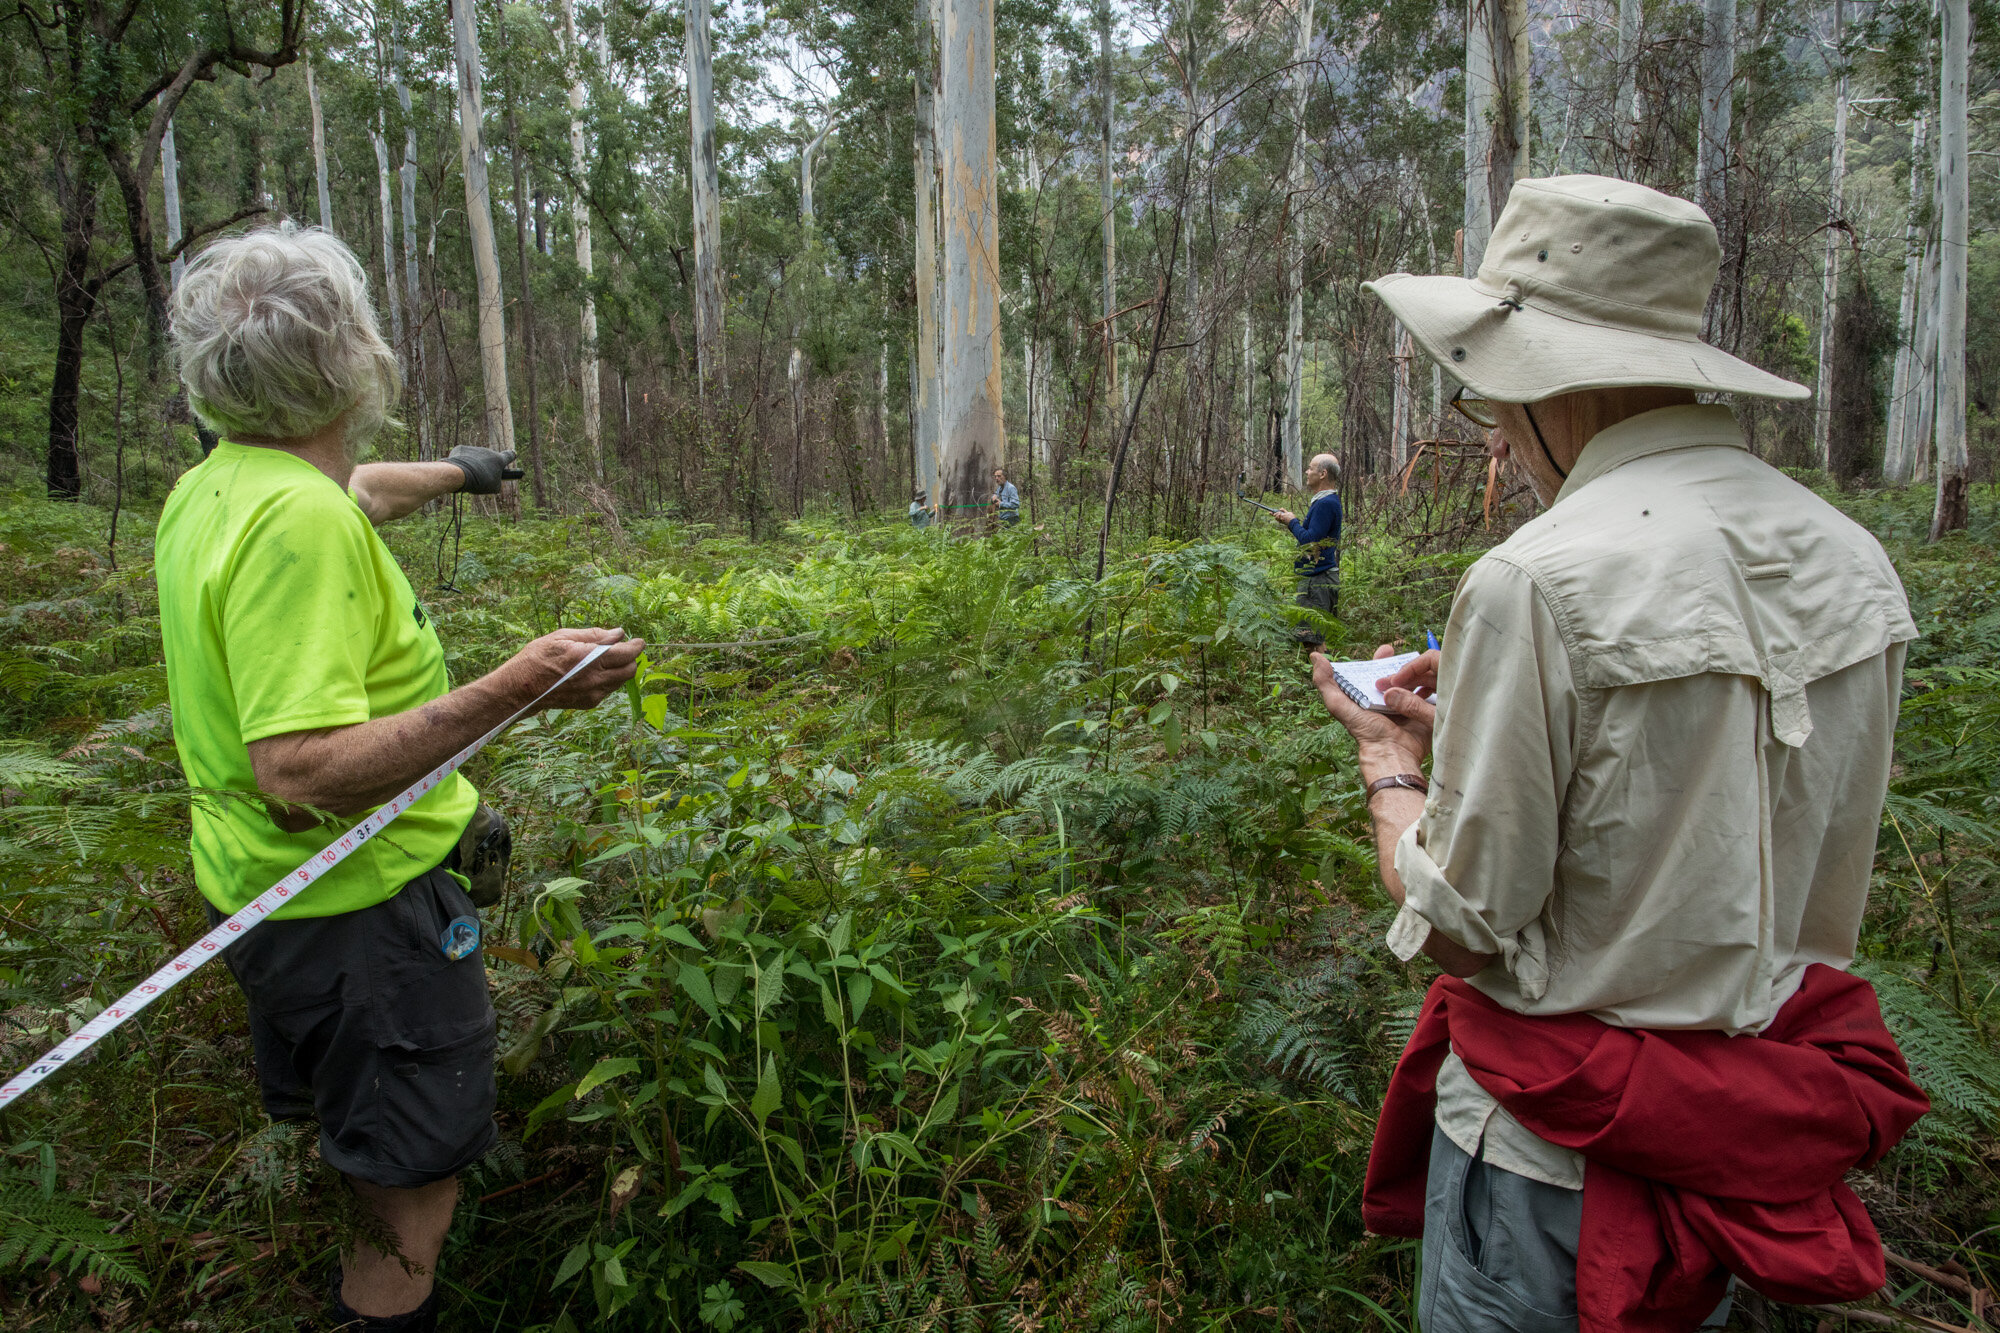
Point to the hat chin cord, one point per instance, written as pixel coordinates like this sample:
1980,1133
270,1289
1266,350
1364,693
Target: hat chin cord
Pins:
1528,411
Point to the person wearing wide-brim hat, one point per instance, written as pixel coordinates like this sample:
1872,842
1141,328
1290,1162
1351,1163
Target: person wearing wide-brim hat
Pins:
1662,721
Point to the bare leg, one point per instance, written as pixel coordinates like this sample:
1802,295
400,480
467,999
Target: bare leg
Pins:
374,1283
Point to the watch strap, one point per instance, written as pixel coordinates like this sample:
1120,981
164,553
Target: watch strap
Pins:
1409,781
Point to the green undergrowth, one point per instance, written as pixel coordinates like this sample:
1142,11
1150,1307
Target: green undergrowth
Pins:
962,943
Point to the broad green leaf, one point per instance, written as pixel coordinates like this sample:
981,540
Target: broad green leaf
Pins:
573,1263
770,1274
603,1072
859,987
843,934
695,982
770,987
765,1099
1170,736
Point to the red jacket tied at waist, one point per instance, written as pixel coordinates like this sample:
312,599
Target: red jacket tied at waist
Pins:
1706,1154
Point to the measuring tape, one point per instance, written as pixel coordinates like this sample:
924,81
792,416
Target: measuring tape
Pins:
226,934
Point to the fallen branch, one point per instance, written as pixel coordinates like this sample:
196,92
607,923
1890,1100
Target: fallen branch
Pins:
525,1184
1880,1319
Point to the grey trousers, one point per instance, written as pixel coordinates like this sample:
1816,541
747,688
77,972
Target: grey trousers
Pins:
1321,593
1499,1252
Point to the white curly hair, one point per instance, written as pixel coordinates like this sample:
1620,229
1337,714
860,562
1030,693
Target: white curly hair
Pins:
275,339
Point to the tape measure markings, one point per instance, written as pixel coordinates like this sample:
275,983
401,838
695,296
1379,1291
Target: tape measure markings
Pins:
260,907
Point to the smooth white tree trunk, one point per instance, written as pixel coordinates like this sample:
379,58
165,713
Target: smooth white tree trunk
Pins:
929,278
170,190
1836,240
1718,81
1899,451
386,193
499,411
415,360
975,440
1293,441
1954,208
579,214
319,149
708,306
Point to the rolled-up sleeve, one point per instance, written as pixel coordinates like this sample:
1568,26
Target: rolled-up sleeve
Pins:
1480,864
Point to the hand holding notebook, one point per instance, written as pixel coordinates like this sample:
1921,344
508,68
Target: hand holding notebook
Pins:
1357,679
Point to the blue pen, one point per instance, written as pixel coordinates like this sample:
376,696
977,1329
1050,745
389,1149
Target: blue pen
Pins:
1430,640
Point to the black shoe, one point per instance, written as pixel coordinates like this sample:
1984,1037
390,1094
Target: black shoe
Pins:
423,1319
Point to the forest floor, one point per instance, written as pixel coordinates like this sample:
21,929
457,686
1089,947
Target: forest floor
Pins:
993,949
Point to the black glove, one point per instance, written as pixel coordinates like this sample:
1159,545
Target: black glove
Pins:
484,468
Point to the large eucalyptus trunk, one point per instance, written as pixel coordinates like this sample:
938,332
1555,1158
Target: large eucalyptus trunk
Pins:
416,362
1829,304
1496,116
1954,206
1718,80
319,150
928,393
707,203
499,411
1295,255
579,212
975,440
1899,451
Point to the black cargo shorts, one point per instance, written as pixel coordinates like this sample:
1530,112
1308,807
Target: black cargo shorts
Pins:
366,1023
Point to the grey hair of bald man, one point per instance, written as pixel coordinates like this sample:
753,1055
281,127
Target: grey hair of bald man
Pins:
1327,466
275,338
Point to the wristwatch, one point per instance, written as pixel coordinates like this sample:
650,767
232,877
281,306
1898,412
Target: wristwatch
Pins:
1411,781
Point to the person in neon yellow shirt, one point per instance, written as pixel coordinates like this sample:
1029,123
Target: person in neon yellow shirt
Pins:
306,677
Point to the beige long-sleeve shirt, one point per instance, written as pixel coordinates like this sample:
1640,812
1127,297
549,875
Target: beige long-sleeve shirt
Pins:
1667,711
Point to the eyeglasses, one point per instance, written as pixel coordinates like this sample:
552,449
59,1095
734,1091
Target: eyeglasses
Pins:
1475,409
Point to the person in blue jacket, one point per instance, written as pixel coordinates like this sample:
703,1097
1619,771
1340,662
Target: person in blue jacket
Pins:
1318,536
1006,498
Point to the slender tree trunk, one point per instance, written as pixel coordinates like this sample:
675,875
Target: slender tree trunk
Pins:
1954,208
521,206
1625,112
929,277
1295,254
416,360
479,216
975,439
708,305
387,192
76,299
319,150
1899,451
1404,408
593,410
1249,396
1829,304
170,201
1107,203
1718,81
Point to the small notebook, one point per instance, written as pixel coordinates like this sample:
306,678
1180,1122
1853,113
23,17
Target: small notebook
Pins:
1357,679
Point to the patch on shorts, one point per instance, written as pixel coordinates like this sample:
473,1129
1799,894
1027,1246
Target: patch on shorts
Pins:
460,938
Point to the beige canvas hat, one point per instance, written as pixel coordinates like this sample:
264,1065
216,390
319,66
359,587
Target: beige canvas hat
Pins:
1588,283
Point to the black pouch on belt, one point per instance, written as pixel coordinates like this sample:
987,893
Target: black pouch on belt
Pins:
485,850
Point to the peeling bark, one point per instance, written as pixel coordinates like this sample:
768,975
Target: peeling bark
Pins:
975,440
